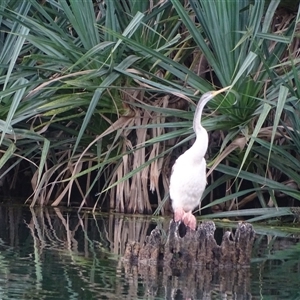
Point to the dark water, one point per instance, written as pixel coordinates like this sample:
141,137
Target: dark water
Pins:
54,254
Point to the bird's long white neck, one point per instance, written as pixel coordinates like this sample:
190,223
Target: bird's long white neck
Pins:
198,129
200,145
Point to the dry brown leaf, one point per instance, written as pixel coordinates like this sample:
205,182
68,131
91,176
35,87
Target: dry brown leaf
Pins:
239,142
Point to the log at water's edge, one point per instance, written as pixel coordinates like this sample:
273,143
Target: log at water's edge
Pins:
195,248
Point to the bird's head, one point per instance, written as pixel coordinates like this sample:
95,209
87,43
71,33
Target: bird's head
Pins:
202,102
211,94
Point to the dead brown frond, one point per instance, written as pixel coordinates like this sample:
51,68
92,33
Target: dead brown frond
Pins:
133,194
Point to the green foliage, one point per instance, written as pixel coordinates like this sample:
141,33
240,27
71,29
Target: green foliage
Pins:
241,49
95,88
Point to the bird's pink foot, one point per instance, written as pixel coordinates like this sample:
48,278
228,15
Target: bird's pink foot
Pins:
178,214
190,220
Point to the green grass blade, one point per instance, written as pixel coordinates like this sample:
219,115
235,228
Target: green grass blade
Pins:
13,107
108,81
7,154
262,117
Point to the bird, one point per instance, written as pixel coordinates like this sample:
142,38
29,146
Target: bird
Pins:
188,176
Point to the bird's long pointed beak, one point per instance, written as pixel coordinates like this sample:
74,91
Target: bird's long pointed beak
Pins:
221,90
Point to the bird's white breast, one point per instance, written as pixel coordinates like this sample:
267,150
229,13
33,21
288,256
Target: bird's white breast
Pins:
188,181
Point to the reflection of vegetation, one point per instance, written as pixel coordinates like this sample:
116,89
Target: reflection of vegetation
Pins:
66,254
273,247
61,255
276,264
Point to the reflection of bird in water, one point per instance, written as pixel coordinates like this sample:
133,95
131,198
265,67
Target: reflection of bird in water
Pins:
188,178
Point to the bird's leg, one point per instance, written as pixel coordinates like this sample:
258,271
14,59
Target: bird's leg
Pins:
190,220
178,214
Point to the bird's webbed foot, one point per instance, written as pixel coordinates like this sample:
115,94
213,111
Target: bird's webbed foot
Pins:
178,214
190,220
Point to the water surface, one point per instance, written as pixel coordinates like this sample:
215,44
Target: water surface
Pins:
55,254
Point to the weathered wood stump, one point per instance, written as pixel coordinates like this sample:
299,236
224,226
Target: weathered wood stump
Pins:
195,247
192,265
